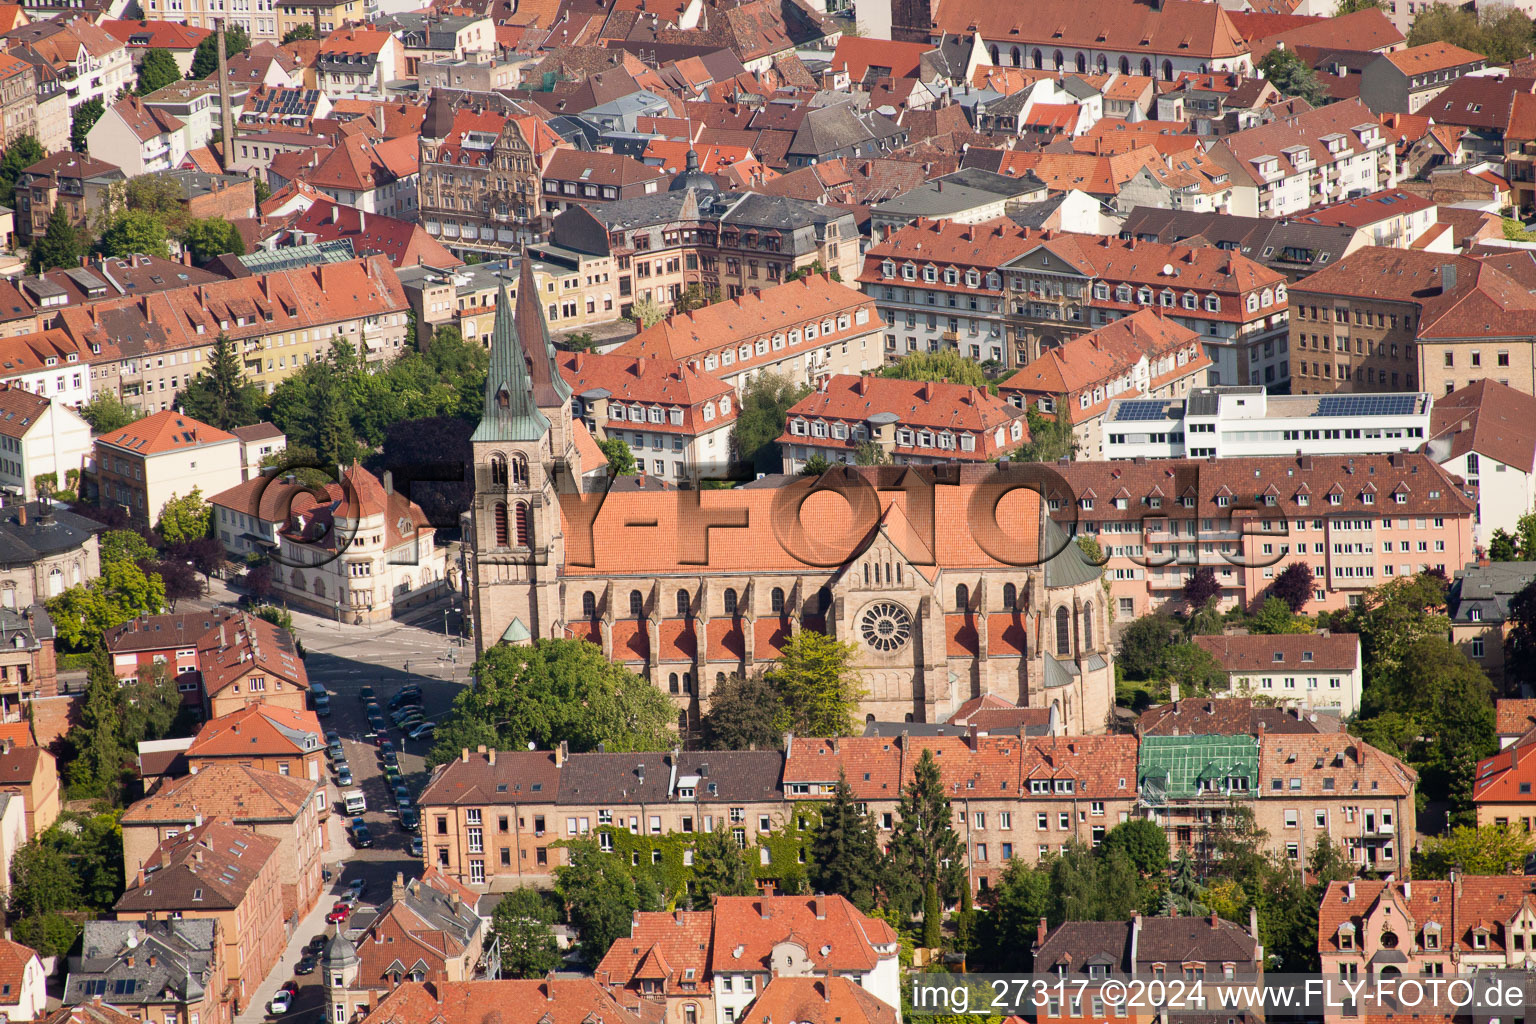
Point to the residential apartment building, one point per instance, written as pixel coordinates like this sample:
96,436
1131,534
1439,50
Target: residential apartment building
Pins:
374,177
1042,288
43,444
1395,319
1248,421
908,422
731,242
573,177
32,773
358,63
554,1000
142,466
1478,605
1313,158
28,665
1426,927
1357,521
89,62
81,185
1318,671
1300,786
1096,959
576,290
741,945
481,182
266,736
676,419
286,809
246,662
224,874
434,917
1403,81
1501,788
1145,353
18,99
48,362
280,320
48,551
806,330
141,139
1485,433
1013,798
170,640
158,972
359,549
1101,37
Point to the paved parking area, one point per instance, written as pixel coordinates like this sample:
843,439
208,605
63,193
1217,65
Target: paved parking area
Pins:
345,659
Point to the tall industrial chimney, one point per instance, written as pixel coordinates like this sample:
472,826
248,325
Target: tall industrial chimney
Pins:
226,114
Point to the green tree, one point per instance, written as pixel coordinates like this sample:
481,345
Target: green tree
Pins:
304,31
1090,886
1293,76
1351,6
122,591
1525,534
1435,710
760,414
1185,894
1201,587
1050,435
817,685
720,868
163,197
600,897
42,880
50,934
845,853
814,269
869,453
1393,617
1143,644
22,153
220,395
105,412
924,848
816,465
1294,586
1497,31
945,364
211,237
745,713
205,61
621,460
1020,897
1194,669
149,706
96,741
1501,547
695,296
646,313
933,916
555,690
1143,841
1275,616
157,70
1476,850
62,245
522,921
185,518
82,121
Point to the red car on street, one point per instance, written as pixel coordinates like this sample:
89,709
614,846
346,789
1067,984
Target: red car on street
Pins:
338,914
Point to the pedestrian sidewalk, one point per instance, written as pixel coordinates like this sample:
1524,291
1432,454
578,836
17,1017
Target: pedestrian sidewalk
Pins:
312,924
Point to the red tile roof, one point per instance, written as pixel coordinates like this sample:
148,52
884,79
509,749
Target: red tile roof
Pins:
160,35
262,730
919,405
163,432
661,947
837,938
1492,419
1288,652
1515,716
549,1001
1436,56
856,54
834,1000
1178,28
235,792
235,647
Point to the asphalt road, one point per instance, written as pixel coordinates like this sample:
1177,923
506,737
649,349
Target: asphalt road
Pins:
346,658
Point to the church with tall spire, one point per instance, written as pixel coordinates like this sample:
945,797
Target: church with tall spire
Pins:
688,586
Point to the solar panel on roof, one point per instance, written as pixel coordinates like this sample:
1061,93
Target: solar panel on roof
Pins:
1366,405
1141,411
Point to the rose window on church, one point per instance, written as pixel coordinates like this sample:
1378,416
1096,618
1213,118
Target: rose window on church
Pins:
886,626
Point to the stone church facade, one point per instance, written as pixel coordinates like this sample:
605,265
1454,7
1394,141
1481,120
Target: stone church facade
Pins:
949,580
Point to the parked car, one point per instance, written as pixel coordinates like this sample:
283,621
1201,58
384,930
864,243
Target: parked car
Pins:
339,913
365,694
416,846
391,772
356,887
406,695
409,819
317,945
386,747
344,776
379,729
390,759
332,736
361,837
280,1004
306,965
291,987
333,750
422,731
403,795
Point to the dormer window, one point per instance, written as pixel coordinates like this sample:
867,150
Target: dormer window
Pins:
1346,936
1480,938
